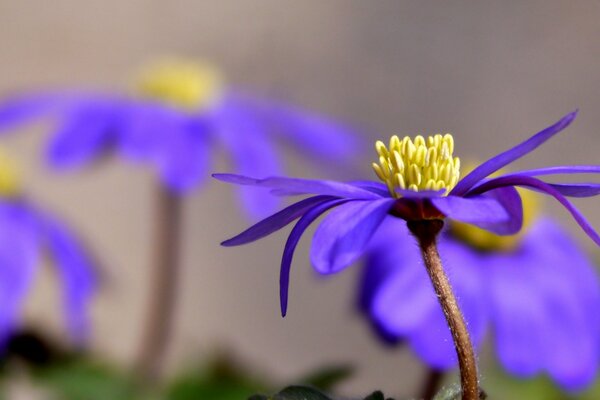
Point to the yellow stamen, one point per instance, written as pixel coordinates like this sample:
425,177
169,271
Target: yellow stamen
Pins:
180,83
419,164
9,179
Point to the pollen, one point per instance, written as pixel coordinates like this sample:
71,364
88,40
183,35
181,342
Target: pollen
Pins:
9,179
418,164
180,83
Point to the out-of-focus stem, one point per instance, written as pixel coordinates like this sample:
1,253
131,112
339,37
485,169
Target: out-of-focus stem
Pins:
161,301
426,232
432,384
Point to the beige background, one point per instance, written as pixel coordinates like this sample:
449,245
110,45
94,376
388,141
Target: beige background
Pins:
490,72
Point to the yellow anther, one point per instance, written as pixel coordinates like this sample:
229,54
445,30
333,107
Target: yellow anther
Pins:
419,164
180,83
9,179
381,149
419,141
397,161
449,140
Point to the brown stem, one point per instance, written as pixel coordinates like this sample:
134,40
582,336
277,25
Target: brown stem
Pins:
432,384
426,232
164,281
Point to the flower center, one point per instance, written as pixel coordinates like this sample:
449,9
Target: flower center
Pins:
419,164
9,180
185,84
487,241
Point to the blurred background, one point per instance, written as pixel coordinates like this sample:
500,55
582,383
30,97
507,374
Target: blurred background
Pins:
492,73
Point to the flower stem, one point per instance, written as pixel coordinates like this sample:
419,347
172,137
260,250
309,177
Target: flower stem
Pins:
426,232
164,281
432,384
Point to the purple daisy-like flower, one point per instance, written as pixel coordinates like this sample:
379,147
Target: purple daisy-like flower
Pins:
27,233
540,297
417,176
181,111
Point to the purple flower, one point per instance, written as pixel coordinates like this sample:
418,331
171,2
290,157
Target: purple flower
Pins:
416,175
26,234
540,297
182,112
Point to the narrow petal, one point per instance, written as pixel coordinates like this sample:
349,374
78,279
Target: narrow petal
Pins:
292,242
19,110
252,152
77,274
536,184
276,221
343,235
313,134
560,169
302,186
507,157
577,189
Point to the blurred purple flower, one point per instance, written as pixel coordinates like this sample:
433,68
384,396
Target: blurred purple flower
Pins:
181,114
26,232
342,237
541,297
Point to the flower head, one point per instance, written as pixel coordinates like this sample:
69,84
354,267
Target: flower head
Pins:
538,294
178,114
181,83
26,232
360,207
418,165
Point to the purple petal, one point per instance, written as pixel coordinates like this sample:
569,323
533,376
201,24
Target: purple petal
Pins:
375,187
147,127
484,212
560,169
536,184
77,273
314,134
302,186
505,158
183,158
18,110
572,296
19,244
545,297
518,316
276,221
343,235
252,153
577,189
292,242
88,128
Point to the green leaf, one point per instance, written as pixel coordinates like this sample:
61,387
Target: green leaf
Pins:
85,380
222,379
